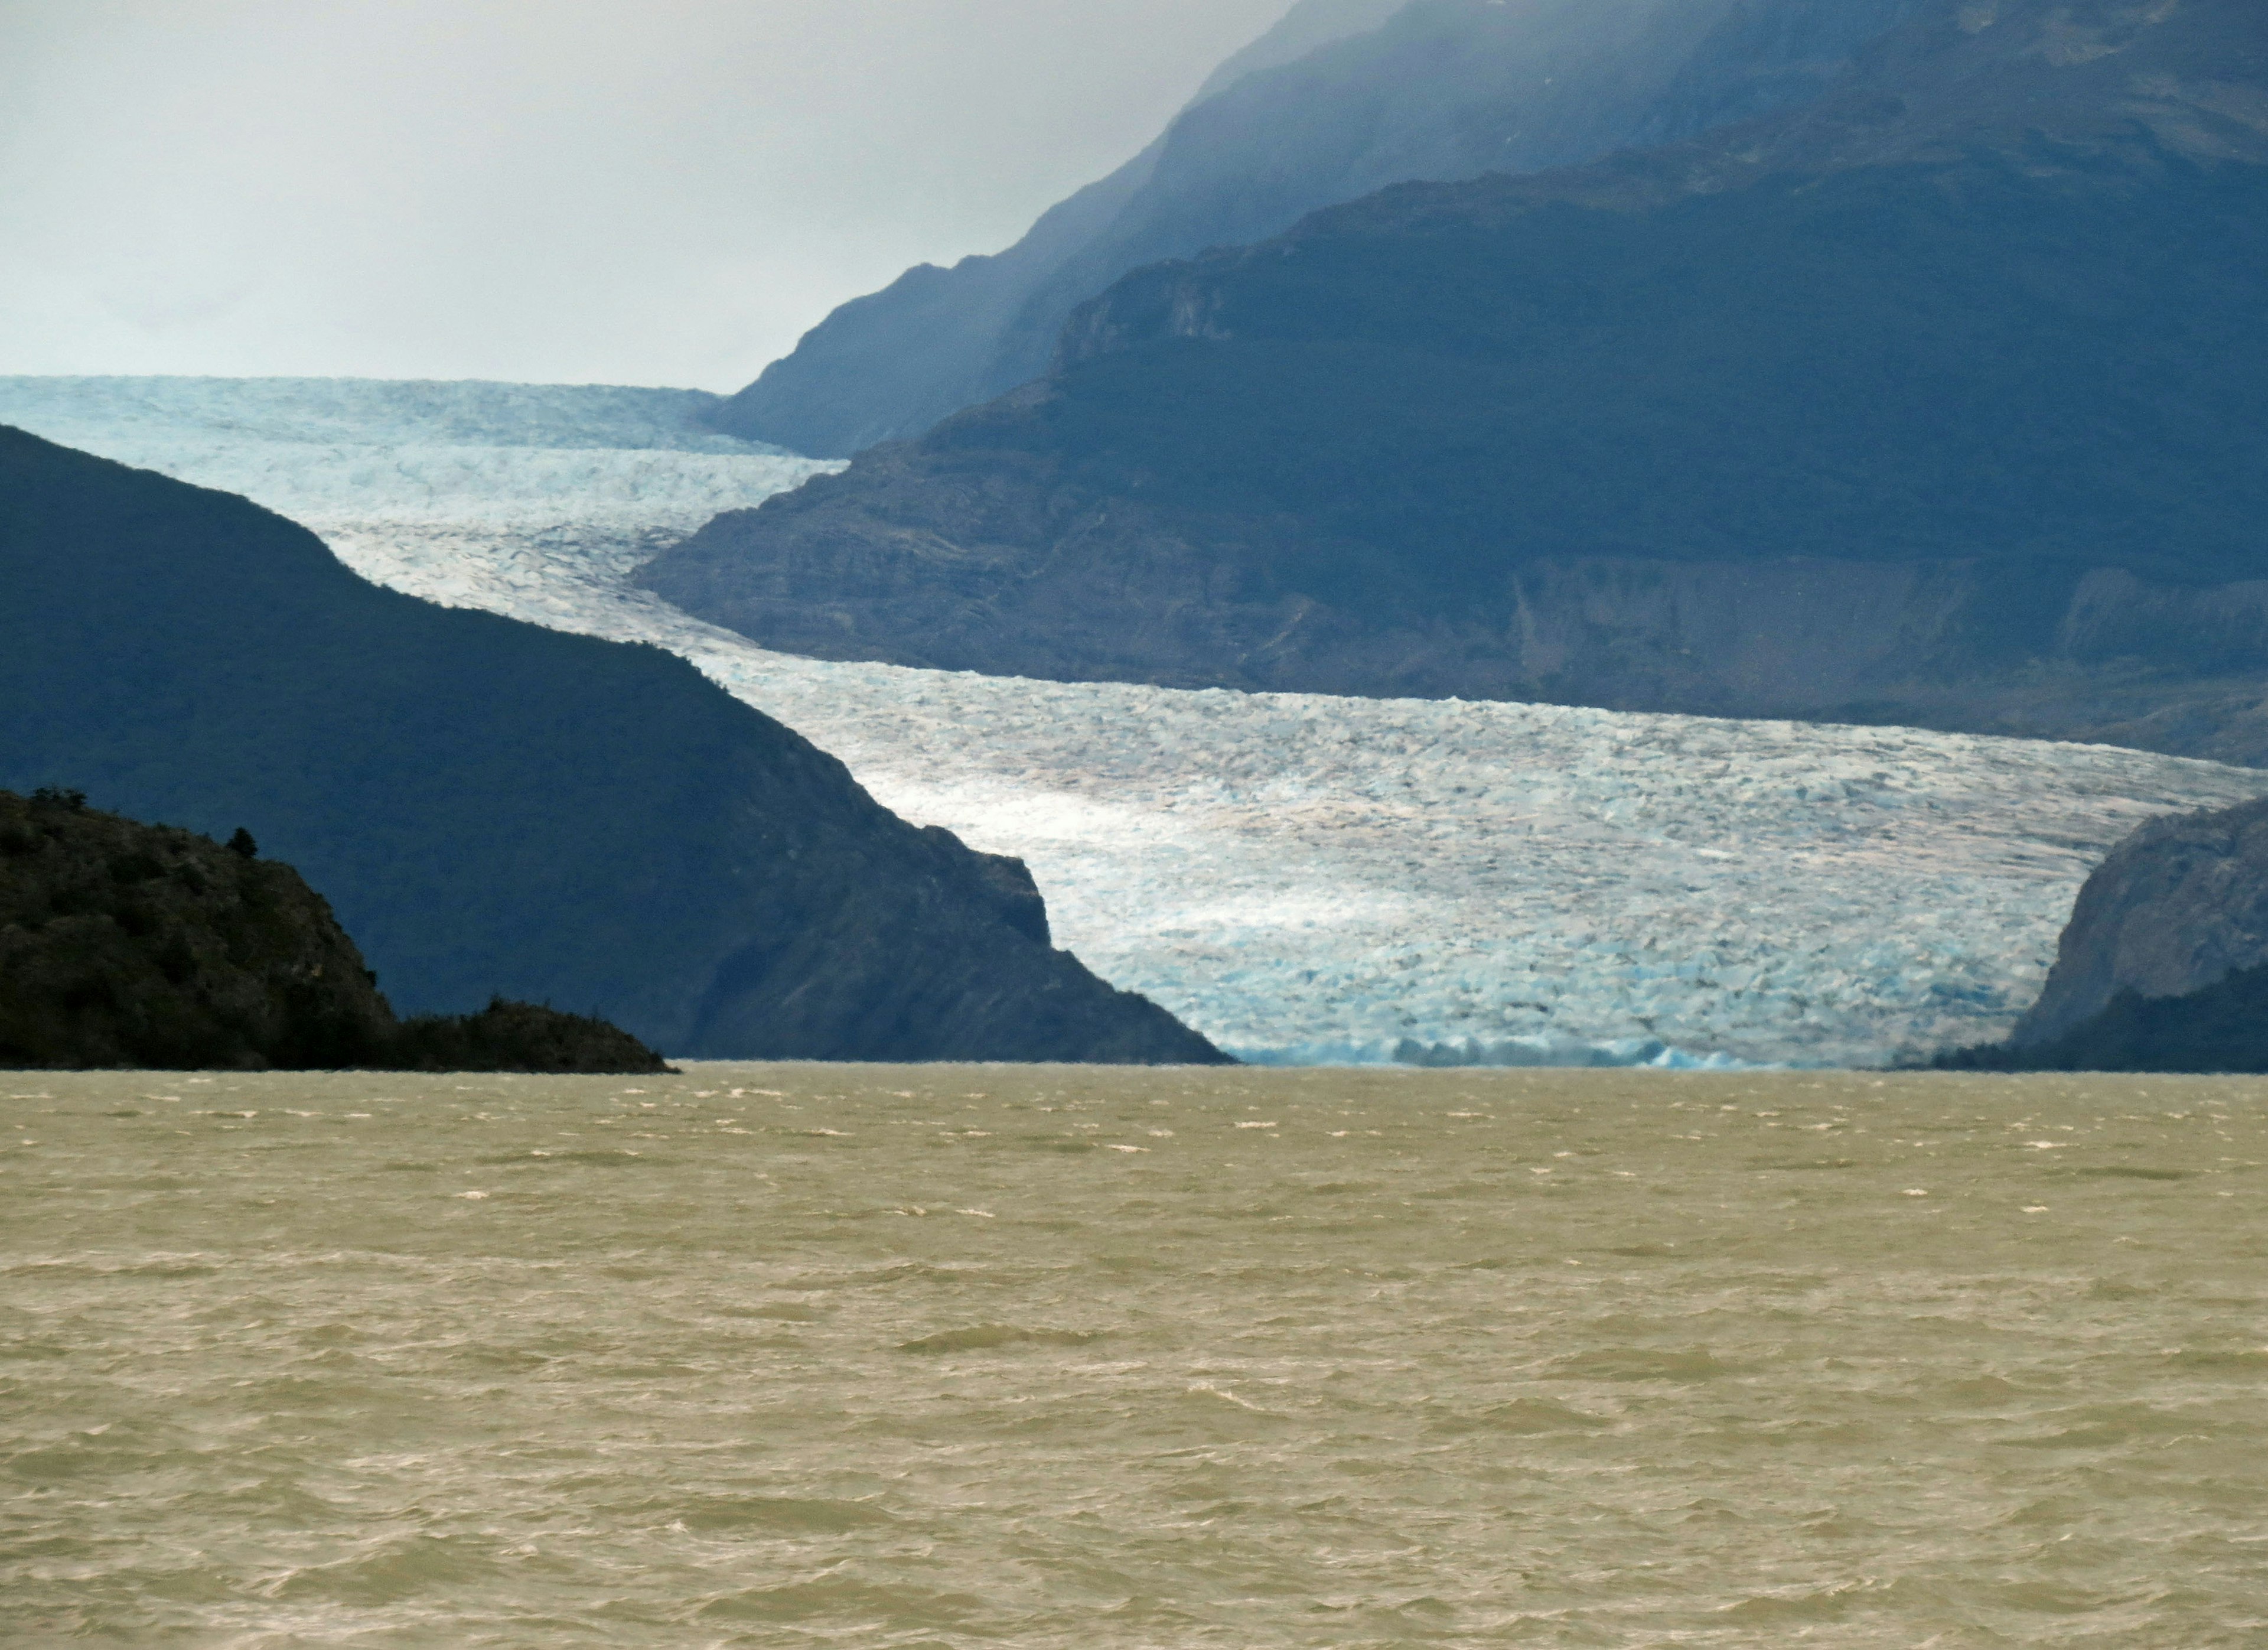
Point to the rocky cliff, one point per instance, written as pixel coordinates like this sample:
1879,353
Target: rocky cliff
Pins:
2164,966
124,945
1934,400
497,808
1341,97
2180,906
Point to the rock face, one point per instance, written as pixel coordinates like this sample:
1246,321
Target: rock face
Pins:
1343,97
124,945
497,808
2180,906
1934,400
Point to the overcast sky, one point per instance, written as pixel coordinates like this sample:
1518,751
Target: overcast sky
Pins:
612,191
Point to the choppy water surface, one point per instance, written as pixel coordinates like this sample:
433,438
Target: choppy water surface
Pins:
952,1357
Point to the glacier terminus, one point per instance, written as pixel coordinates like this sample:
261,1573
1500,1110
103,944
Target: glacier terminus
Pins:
1303,879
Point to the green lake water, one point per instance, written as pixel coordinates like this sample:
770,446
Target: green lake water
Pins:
796,1356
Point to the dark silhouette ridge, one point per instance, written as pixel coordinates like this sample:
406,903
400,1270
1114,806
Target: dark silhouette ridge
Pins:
499,809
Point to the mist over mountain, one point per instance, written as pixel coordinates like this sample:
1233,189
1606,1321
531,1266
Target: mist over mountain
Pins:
496,808
1343,97
1935,401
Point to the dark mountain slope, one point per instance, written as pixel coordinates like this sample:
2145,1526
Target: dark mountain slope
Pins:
1343,97
1937,400
124,945
497,808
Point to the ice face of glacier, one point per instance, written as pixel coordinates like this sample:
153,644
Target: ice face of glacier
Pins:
1300,877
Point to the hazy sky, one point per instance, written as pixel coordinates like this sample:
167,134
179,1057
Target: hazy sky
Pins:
623,191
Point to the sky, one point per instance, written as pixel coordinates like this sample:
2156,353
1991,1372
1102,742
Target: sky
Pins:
554,191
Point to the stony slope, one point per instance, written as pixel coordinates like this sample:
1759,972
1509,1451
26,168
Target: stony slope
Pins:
125,944
1934,401
497,807
1307,877
1343,97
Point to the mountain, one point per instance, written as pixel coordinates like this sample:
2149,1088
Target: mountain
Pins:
496,808
2219,1028
2164,966
125,944
1343,97
1936,401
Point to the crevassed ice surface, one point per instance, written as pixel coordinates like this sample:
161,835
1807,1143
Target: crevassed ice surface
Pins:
1302,878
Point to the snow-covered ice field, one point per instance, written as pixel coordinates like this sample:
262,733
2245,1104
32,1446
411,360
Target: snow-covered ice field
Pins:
1299,877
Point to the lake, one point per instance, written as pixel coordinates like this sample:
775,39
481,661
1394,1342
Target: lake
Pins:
796,1356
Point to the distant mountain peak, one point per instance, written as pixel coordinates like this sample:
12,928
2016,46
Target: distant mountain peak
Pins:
1307,27
1343,98
1935,398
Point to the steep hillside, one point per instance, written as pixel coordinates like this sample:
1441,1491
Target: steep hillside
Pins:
1935,401
497,808
1343,97
2219,1028
123,943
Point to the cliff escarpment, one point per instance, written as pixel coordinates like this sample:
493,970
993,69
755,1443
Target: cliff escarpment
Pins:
132,946
1934,400
499,809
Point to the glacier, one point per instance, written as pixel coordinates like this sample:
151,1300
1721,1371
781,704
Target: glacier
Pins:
1304,879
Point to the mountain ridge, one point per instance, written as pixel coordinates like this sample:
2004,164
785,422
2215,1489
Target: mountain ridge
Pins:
2163,966
497,808
1381,93
2176,907
1925,401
